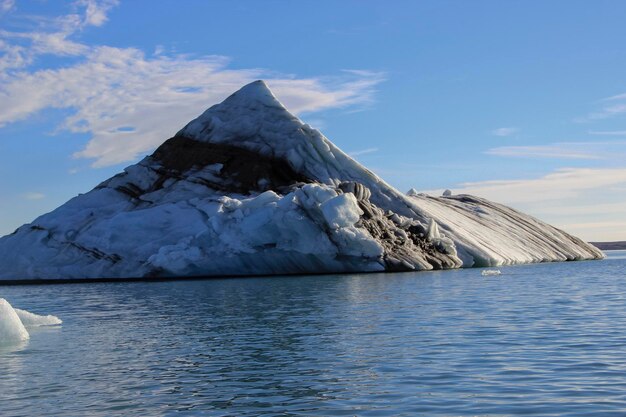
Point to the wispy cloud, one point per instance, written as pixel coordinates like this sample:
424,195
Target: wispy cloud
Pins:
363,152
504,131
607,132
129,101
612,229
34,196
610,107
6,5
615,97
96,11
555,152
49,36
565,150
561,184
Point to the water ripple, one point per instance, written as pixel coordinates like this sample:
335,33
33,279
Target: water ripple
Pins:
542,340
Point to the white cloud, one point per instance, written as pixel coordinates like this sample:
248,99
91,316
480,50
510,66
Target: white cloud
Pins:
615,97
607,132
56,43
316,123
34,196
50,35
608,112
6,5
130,102
556,152
565,150
363,152
603,231
504,131
570,198
612,106
96,11
561,184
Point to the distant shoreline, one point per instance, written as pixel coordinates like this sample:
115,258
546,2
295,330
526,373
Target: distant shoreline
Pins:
610,245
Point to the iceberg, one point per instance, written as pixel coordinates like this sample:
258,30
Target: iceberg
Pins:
249,189
29,319
14,322
11,327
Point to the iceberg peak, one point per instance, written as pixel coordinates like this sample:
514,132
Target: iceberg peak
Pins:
243,114
257,91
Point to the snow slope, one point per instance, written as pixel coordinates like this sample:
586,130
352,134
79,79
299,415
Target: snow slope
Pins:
247,188
490,234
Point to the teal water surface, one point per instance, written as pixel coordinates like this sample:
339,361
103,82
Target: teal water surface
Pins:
545,339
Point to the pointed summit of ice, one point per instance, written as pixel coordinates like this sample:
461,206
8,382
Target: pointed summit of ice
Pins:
242,114
255,120
256,91
252,118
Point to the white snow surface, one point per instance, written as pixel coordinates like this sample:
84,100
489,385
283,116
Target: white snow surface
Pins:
490,234
11,328
14,322
193,224
29,319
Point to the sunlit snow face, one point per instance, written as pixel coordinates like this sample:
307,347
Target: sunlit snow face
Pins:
11,328
13,323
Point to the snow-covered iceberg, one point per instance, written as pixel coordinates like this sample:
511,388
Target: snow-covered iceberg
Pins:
247,188
11,327
14,322
29,319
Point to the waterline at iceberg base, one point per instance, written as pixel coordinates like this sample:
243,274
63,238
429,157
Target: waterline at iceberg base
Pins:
247,188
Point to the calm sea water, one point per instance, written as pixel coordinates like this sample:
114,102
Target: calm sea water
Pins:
547,339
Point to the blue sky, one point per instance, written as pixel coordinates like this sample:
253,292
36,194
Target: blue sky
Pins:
521,102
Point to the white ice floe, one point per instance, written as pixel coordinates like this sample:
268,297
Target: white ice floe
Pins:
34,320
14,322
11,327
248,188
490,272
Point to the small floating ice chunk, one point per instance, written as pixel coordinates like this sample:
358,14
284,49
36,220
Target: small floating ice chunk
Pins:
34,320
11,328
13,323
490,272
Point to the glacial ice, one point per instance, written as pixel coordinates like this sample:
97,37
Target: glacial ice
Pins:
491,234
11,327
14,322
341,211
247,188
34,320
